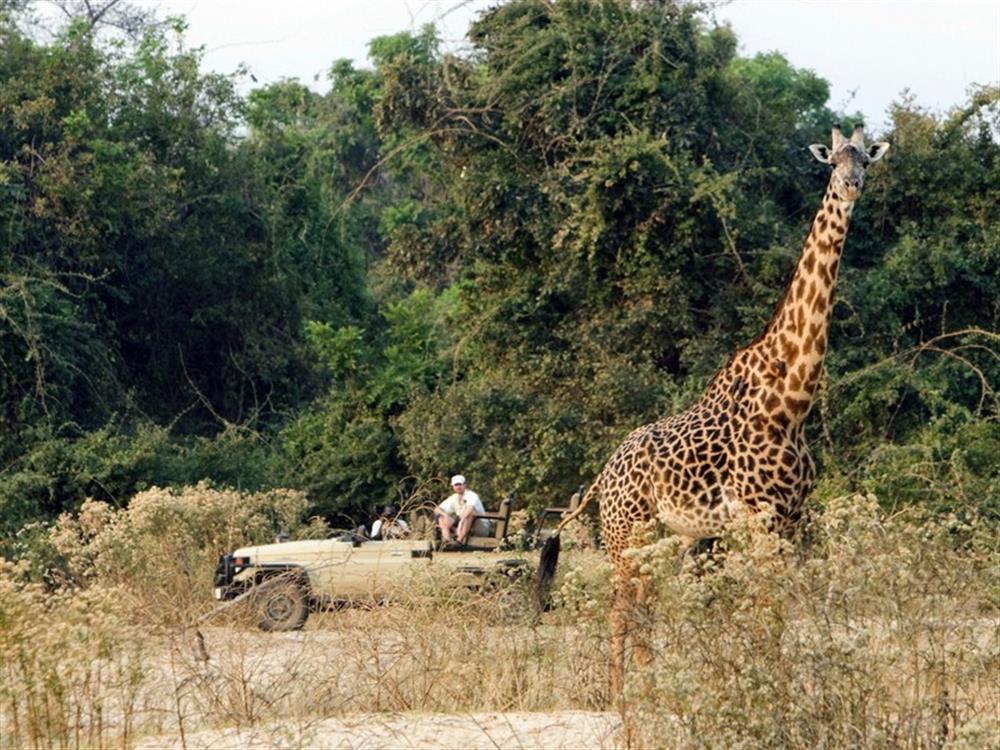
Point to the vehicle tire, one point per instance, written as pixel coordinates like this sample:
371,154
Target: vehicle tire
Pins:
281,605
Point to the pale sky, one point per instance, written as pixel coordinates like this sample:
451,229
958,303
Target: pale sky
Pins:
869,50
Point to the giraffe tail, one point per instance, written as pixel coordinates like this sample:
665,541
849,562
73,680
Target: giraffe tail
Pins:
550,555
546,572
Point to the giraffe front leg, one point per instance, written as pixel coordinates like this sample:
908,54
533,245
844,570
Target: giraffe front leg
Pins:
629,617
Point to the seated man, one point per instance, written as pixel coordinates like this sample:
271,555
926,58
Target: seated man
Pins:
455,516
389,525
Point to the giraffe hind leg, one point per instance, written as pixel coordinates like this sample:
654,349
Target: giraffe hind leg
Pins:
640,615
618,621
628,619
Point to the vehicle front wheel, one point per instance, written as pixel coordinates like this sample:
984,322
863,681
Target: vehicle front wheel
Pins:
281,605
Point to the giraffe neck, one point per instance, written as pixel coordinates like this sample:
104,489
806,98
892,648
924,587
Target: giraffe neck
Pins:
794,342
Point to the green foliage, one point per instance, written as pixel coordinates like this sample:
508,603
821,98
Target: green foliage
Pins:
120,166
307,152
157,260
121,458
498,263
950,463
346,450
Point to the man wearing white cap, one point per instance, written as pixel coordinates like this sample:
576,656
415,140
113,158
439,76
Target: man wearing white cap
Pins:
460,509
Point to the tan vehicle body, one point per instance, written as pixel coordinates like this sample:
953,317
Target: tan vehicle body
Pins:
288,579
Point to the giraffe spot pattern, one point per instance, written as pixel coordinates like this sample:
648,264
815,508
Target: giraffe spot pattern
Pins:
743,444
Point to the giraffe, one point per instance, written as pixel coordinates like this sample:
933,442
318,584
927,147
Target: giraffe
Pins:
741,448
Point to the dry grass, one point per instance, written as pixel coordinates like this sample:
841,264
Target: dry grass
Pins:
881,632
882,635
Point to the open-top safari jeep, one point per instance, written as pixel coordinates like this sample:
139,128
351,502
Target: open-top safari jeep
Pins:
285,581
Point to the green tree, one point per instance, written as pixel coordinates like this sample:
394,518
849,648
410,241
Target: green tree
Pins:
157,261
597,211
622,201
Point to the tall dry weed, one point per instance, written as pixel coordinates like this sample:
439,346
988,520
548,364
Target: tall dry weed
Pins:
882,634
876,631
72,664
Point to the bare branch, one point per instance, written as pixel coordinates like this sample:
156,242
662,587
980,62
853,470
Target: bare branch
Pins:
120,15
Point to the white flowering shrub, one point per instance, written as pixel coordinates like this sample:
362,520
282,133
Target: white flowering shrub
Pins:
580,534
163,547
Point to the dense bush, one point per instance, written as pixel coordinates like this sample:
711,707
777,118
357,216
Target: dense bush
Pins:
497,263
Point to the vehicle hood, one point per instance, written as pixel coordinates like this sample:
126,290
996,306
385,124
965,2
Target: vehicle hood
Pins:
305,549
287,550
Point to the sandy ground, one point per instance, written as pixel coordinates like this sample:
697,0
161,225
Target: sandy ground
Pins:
242,674
489,731
351,683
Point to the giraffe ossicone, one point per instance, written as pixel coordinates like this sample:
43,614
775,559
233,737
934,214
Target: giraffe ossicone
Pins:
741,448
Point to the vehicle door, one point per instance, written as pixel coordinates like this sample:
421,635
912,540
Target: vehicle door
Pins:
375,569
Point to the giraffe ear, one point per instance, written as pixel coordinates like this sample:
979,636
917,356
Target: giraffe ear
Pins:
821,152
877,150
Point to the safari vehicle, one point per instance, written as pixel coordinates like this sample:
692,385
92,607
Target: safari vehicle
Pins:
285,581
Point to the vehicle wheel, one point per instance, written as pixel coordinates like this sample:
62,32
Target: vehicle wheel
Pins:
281,605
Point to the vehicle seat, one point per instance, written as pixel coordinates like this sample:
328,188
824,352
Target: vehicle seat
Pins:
498,526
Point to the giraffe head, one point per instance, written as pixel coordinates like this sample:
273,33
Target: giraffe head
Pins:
850,159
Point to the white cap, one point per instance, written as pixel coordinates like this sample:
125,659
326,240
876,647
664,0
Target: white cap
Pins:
457,479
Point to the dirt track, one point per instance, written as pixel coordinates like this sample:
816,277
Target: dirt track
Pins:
247,689
489,731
